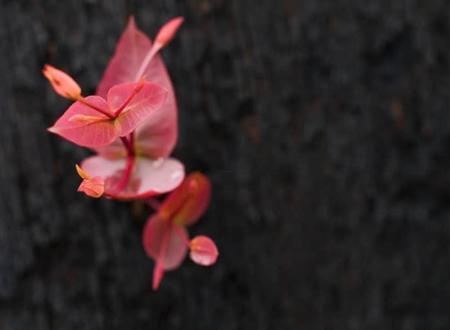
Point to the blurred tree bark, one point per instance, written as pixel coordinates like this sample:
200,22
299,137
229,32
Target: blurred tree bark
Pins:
324,127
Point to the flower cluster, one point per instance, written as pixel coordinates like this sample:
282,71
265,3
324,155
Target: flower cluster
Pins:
131,125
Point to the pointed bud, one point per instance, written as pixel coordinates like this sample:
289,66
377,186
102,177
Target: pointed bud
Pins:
203,251
167,32
62,83
91,186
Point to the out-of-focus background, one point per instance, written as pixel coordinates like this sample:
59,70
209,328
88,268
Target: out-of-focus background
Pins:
324,127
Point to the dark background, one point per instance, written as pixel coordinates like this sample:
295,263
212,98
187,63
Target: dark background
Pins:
324,126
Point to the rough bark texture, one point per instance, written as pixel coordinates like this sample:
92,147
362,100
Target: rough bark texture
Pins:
324,126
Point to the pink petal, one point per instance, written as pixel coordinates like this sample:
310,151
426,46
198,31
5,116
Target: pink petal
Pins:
149,177
203,251
157,136
189,201
138,101
165,242
87,133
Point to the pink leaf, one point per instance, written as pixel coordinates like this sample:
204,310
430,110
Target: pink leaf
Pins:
148,178
203,251
157,136
134,103
83,125
189,201
165,242
130,51
62,83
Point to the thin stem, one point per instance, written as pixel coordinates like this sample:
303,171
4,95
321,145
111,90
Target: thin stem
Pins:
131,139
127,174
92,106
139,75
128,145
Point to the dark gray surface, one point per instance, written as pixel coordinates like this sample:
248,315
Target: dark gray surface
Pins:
324,126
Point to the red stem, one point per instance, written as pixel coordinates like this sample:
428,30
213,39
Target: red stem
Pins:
127,173
129,146
140,73
131,139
